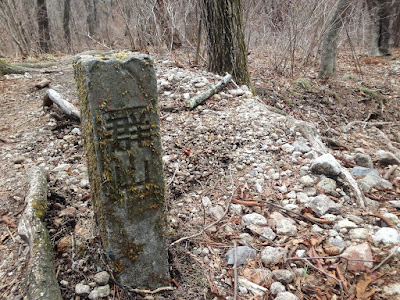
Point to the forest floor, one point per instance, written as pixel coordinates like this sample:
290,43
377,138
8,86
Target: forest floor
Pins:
223,161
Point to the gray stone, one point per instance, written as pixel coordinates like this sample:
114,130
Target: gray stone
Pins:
272,255
306,180
338,242
345,223
386,158
363,160
321,204
243,253
254,219
386,236
310,191
286,227
362,171
286,296
121,129
100,292
101,278
301,146
276,288
371,180
217,211
287,148
326,164
302,197
82,289
327,184
283,276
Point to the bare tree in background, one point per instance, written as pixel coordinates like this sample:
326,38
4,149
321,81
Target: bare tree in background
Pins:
380,11
92,18
171,37
396,23
330,40
66,18
226,46
44,27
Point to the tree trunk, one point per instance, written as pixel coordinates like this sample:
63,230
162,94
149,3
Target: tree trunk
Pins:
66,17
91,17
380,13
44,27
329,45
171,38
396,24
226,48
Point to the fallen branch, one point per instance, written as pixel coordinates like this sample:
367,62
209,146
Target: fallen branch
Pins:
68,108
41,277
394,252
159,290
201,98
390,172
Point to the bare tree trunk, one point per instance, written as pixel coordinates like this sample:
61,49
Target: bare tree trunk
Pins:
396,24
380,13
226,46
171,38
330,39
66,18
44,27
91,17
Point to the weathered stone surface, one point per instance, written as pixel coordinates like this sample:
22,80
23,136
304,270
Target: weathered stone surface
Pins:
371,180
276,288
326,164
102,278
121,130
82,289
386,236
387,158
254,219
272,255
283,276
363,160
243,253
286,296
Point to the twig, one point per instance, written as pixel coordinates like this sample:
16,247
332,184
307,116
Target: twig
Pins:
394,251
173,176
384,219
280,207
213,223
235,273
104,45
351,124
160,289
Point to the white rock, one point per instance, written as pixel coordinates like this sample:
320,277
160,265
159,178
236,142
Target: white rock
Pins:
82,289
287,148
283,276
100,292
286,296
306,180
276,288
392,289
386,236
206,201
345,223
217,211
326,164
358,234
254,219
101,278
272,255
285,227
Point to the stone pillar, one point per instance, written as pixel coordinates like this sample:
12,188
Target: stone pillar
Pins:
121,129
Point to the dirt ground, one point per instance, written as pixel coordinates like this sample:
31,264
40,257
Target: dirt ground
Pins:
31,135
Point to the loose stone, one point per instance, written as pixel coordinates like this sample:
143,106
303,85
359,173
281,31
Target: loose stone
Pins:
243,253
326,164
101,278
283,276
272,255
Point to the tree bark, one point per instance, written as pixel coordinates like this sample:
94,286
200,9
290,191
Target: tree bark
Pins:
44,27
330,40
91,17
380,13
66,18
396,24
226,48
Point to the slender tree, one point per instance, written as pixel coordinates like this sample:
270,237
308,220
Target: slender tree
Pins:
380,12
396,23
66,18
226,46
171,37
44,27
330,39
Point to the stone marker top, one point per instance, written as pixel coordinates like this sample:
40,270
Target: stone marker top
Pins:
129,71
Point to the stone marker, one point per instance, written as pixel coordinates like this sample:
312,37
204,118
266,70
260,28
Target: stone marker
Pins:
121,129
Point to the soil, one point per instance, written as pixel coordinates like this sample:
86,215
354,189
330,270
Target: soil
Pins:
198,164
